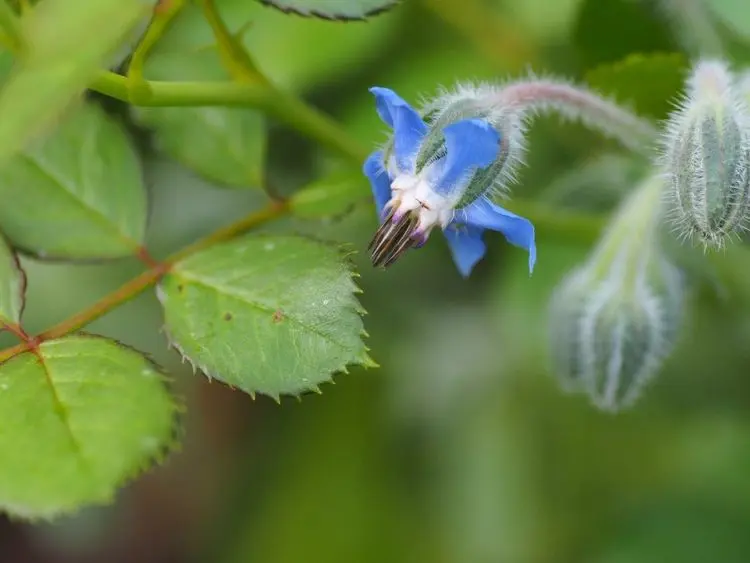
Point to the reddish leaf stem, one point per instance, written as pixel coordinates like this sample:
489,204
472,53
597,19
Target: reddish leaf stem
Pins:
139,284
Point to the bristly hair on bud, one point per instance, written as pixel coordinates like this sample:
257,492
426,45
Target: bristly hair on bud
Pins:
615,319
706,157
609,338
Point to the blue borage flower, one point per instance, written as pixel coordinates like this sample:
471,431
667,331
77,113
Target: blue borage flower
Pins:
412,200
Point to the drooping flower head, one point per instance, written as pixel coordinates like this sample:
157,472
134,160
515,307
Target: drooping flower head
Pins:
440,173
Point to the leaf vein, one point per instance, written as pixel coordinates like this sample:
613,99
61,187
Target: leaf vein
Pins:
62,413
96,214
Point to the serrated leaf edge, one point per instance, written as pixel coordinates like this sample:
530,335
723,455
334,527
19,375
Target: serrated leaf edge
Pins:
330,17
365,361
169,447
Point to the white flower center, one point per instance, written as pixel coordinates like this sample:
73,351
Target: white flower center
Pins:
412,193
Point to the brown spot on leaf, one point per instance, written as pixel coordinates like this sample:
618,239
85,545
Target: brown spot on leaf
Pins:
227,316
278,316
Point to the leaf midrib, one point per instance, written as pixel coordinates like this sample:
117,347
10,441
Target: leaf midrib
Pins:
62,413
97,216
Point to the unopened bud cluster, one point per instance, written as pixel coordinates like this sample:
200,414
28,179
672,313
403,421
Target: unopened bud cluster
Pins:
706,155
614,319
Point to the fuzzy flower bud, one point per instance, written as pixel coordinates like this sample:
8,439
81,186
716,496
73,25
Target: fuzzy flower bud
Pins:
706,156
615,319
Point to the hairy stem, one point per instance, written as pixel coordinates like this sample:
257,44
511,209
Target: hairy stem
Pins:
578,103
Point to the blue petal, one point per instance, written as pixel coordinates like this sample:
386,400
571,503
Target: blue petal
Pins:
470,144
408,127
486,215
381,184
385,99
466,247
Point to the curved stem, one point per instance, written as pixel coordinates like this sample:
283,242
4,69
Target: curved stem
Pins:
250,88
285,107
578,103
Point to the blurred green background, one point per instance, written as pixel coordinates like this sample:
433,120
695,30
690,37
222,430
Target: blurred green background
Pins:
461,448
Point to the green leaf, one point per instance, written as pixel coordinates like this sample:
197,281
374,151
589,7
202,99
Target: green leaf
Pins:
12,286
338,48
80,417
332,196
57,65
333,9
224,145
734,14
639,28
267,314
78,193
650,83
